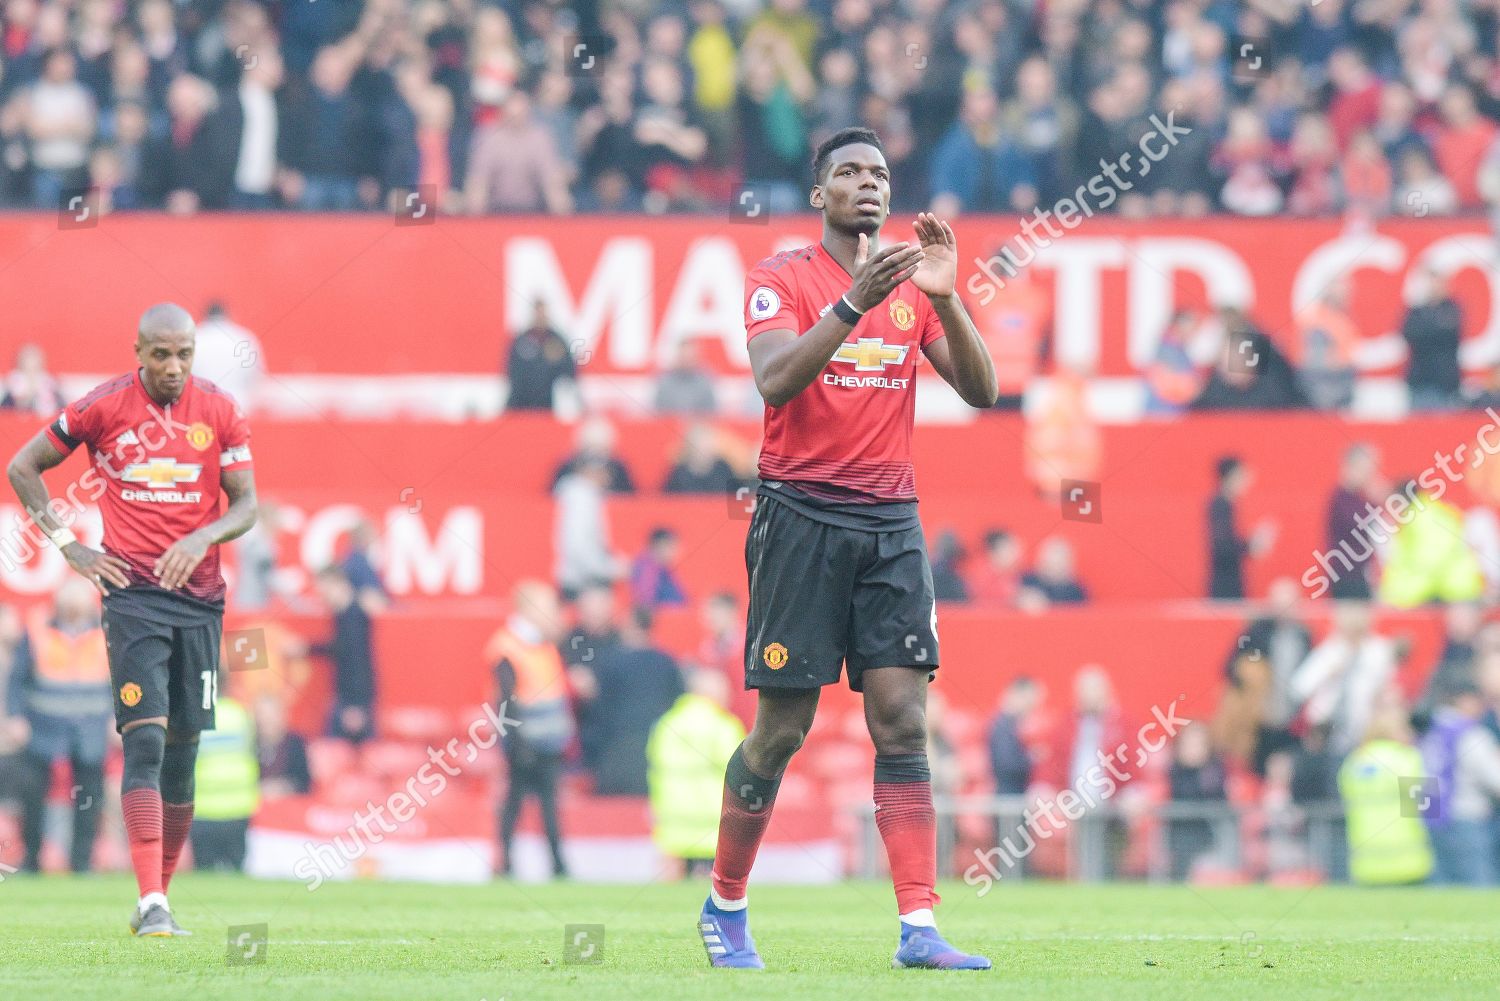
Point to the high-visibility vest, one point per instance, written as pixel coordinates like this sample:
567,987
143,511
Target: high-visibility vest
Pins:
70,674
1387,838
686,756
540,700
227,778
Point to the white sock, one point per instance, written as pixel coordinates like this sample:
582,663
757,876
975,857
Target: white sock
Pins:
153,898
729,905
920,918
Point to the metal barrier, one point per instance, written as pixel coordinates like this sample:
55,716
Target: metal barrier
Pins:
1250,842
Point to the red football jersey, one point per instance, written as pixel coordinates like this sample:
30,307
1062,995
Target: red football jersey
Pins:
156,469
851,428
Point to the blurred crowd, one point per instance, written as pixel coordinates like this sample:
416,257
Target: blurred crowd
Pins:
1367,106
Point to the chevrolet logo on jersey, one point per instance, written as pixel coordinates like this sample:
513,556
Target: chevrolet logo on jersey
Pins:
161,474
871,354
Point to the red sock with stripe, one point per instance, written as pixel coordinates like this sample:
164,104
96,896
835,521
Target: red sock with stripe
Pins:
176,822
743,818
178,765
143,829
908,826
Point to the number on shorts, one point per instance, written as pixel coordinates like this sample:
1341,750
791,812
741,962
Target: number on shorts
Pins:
210,688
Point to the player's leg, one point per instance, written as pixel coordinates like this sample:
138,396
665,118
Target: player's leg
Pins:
895,650
194,667
801,578
782,720
140,653
145,743
179,764
896,715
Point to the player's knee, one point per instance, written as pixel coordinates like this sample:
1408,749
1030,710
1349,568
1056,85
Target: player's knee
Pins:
899,730
177,770
774,746
145,747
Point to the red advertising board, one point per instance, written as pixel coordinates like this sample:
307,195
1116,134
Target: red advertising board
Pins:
363,295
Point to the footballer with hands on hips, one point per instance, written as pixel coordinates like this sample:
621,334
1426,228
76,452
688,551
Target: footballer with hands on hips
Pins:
164,445
839,574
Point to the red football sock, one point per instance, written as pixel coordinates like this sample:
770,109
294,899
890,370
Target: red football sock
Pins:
143,827
176,821
908,826
743,819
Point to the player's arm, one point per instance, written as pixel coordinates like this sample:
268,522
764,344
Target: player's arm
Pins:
959,356
25,473
178,563
785,364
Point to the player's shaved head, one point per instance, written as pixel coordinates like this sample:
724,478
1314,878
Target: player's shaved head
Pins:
164,319
164,348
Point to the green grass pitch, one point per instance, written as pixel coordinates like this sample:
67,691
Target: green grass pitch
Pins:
66,938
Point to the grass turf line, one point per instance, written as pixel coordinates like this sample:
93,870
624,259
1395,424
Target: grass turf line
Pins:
63,937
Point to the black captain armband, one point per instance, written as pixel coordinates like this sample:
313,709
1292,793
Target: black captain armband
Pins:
846,312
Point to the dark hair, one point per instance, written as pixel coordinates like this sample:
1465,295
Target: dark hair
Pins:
1227,465
642,618
995,536
662,534
1458,688
841,138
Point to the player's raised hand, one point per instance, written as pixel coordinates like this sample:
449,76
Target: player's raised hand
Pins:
938,274
875,275
178,563
97,568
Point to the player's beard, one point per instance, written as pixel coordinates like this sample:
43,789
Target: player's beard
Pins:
858,223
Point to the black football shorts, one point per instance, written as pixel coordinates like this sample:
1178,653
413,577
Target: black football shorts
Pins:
163,670
822,596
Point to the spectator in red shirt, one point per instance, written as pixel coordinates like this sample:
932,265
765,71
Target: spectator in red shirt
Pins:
1461,144
1356,99
997,580
1315,181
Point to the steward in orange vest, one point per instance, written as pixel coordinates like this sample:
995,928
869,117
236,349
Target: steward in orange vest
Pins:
59,683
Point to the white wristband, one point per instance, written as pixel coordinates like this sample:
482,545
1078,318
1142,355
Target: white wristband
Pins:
851,305
62,538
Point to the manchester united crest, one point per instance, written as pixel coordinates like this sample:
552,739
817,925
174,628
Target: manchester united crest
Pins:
130,694
775,656
200,436
902,315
